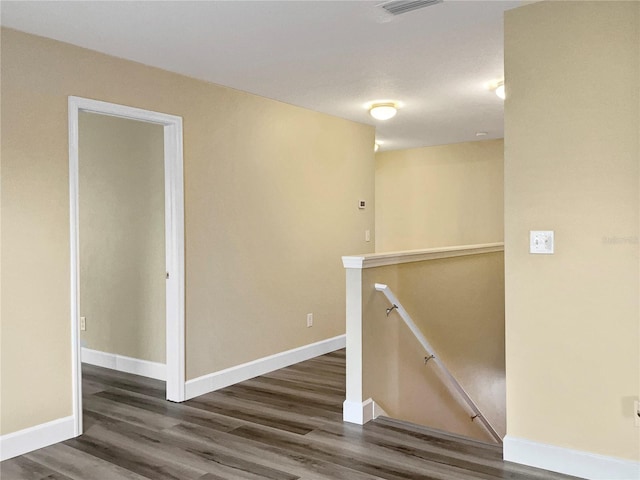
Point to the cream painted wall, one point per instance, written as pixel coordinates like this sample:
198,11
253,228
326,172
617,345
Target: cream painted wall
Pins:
271,194
122,255
458,304
439,196
572,147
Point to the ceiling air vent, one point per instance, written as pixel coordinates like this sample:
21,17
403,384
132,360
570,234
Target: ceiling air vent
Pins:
399,7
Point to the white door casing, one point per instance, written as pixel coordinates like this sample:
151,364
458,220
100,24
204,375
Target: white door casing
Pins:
174,243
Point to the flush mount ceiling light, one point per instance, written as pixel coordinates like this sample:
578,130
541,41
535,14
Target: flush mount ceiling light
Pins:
498,87
383,110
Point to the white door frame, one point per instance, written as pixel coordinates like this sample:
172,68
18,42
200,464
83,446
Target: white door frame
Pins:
174,243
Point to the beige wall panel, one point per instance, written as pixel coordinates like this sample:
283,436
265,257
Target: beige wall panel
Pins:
571,165
36,349
271,194
458,304
439,196
122,254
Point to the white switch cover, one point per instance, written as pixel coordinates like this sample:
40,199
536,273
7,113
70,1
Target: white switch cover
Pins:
541,241
309,319
367,235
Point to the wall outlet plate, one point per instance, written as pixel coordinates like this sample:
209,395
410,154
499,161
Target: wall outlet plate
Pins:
541,242
636,412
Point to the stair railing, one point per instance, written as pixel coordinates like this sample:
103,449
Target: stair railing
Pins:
451,381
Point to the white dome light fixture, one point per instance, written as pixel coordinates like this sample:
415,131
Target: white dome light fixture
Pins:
497,86
383,110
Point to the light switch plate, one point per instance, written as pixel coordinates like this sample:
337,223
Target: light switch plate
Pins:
541,242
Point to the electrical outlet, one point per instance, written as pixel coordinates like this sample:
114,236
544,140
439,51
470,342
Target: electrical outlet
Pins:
83,323
636,412
309,319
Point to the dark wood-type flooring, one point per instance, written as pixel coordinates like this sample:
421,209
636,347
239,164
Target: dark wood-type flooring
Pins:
286,425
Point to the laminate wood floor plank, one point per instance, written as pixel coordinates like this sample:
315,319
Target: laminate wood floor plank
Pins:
23,468
78,465
181,453
268,454
421,438
251,412
283,401
359,457
310,377
285,425
125,381
90,388
323,400
335,389
313,374
430,439
105,376
448,445
181,412
130,414
357,439
293,380
450,440
124,457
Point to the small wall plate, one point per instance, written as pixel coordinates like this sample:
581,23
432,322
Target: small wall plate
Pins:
541,242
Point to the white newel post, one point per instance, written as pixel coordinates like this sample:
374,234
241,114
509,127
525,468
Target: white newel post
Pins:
352,408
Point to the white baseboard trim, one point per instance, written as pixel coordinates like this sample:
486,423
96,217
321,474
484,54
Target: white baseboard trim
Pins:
230,376
361,412
33,438
121,363
571,462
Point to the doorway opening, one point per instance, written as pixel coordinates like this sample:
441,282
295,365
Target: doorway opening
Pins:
173,248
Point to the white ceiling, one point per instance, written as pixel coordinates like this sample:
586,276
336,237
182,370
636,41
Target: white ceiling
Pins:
329,56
